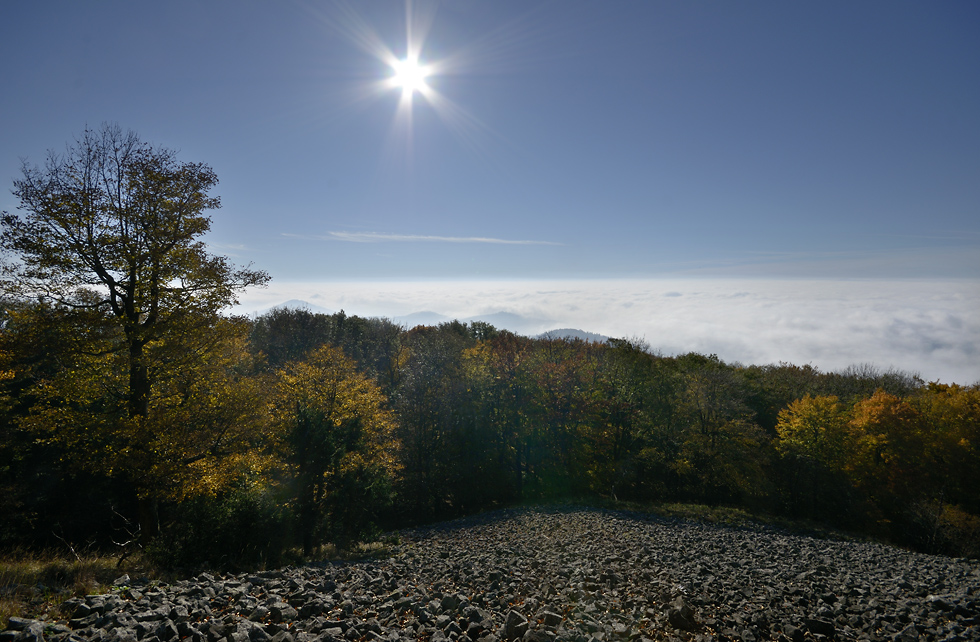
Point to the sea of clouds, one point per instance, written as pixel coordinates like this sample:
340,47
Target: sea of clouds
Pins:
930,328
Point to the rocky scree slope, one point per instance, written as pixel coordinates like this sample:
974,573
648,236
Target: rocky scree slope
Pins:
575,575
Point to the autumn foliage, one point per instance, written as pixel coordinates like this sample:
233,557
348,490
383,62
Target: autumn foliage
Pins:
439,421
132,409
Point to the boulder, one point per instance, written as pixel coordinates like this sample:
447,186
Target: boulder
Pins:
681,616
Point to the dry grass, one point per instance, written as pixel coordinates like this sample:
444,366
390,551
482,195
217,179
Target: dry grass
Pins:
34,584
729,516
711,514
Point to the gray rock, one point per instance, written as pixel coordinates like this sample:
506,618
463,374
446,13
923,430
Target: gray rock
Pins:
580,575
166,631
909,634
538,635
121,634
515,626
282,612
820,626
20,623
680,615
550,618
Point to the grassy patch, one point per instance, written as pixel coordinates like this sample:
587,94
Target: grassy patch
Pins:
34,584
720,515
736,517
712,514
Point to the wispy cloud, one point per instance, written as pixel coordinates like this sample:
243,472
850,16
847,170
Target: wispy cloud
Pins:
236,250
373,237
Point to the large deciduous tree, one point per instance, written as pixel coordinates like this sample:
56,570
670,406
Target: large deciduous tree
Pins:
110,231
340,438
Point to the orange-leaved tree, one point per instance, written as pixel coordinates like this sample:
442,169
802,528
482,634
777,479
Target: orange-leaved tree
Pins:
339,438
889,444
814,427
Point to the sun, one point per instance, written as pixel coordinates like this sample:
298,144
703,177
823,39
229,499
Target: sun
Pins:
409,75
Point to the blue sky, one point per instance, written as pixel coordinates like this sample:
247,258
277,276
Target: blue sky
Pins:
557,141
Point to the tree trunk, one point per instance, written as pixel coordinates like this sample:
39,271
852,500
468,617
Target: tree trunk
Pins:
139,409
149,519
139,382
309,510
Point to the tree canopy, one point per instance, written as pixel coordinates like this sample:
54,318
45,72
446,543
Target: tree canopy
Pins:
109,235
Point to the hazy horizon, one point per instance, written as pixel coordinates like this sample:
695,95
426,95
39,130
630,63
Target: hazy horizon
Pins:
925,327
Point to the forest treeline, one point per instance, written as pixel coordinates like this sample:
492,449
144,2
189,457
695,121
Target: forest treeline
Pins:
135,411
297,428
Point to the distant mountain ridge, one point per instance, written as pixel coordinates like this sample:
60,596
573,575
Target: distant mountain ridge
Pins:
573,333
509,321
295,304
516,323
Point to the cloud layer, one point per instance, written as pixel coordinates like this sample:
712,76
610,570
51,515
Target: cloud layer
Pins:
927,327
